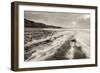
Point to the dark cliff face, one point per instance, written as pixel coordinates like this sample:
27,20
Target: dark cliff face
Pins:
34,24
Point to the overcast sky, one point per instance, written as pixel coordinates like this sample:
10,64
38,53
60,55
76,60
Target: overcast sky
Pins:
66,20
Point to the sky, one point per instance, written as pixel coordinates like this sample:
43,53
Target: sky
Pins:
65,20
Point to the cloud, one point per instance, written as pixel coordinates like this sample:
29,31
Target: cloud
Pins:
66,20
